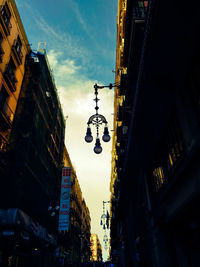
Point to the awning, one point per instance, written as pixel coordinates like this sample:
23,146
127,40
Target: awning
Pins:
17,218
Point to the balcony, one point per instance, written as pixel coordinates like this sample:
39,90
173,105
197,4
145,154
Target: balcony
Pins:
140,11
3,144
77,217
1,54
123,85
16,49
6,117
10,79
120,113
5,19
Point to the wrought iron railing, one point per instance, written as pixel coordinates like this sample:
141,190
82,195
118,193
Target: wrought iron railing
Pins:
10,78
7,112
5,19
171,153
16,48
140,10
3,144
1,52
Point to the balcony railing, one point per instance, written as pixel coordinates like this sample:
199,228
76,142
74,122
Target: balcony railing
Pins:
139,13
3,144
16,49
10,78
5,19
140,10
6,115
1,54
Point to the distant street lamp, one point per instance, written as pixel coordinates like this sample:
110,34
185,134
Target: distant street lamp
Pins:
105,238
53,210
97,120
105,216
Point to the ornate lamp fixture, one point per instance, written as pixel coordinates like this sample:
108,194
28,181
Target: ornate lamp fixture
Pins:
105,217
97,120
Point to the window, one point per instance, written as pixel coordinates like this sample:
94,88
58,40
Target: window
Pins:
1,50
18,45
159,178
3,97
16,48
5,15
140,3
5,12
170,152
141,9
10,75
1,38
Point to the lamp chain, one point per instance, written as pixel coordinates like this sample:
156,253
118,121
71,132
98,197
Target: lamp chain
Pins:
97,108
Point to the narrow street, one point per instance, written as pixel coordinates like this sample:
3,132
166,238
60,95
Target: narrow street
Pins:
99,133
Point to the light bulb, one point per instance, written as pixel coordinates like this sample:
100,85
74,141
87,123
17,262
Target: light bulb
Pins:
106,136
88,137
97,148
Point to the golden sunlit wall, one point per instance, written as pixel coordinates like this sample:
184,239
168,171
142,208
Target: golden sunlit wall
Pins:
118,100
96,248
86,220
76,194
78,202
14,47
66,159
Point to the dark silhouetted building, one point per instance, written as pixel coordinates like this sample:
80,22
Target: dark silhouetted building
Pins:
156,157
33,166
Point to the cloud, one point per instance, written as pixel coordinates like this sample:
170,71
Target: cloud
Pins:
64,64
67,67
53,57
45,27
60,40
90,31
79,16
77,95
77,98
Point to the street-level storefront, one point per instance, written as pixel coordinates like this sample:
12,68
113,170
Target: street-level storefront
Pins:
24,242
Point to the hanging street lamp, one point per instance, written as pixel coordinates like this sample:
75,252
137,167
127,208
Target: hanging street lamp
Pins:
97,120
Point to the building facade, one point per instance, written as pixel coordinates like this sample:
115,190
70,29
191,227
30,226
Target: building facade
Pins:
78,236
96,248
155,174
33,160
14,47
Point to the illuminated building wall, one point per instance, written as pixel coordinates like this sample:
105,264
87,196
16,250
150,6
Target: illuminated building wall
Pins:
155,153
96,248
13,49
79,229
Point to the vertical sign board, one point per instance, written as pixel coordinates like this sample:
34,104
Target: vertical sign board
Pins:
63,224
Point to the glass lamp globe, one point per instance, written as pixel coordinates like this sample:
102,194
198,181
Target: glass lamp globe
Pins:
106,136
97,148
88,137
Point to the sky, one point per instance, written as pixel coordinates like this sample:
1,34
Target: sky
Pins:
80,37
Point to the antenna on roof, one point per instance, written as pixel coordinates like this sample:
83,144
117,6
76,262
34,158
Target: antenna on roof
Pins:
42,47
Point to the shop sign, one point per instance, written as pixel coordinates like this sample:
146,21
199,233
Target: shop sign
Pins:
63,224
